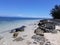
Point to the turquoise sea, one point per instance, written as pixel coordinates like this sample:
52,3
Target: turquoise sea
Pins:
8,23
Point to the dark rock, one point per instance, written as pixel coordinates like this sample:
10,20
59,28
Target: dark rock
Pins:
46,25
50,25
15,34
39,32
47,43
18,29
42,22
38,38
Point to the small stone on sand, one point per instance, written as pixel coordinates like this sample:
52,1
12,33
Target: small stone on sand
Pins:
18,39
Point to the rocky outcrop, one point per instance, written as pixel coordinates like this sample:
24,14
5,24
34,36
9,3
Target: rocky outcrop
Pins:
46,25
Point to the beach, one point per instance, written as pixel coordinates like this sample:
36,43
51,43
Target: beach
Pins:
25,37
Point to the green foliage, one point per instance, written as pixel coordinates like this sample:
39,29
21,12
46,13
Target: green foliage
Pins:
55,12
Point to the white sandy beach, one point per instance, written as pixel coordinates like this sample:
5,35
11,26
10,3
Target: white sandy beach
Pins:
53,38
26,35
29,32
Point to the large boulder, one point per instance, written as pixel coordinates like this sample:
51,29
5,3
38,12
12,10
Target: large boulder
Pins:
39,32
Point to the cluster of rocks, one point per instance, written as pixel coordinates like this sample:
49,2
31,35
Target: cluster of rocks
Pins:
17,30
46,25
38,38
41,40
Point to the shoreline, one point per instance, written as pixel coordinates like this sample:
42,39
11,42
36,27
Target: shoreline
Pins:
11,26
28,37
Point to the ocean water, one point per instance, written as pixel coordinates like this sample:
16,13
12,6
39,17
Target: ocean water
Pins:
8,23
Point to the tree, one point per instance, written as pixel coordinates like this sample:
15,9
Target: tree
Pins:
55,12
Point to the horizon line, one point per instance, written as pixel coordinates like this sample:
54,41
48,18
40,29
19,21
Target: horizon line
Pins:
27,17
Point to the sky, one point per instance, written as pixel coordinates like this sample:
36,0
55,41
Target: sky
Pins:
27,8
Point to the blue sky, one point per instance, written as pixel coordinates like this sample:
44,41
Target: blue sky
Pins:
27,8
